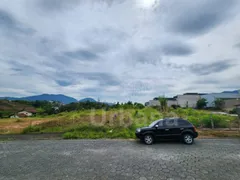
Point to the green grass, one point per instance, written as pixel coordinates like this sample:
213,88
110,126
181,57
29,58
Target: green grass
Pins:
95,132
121,123
202,118
31,129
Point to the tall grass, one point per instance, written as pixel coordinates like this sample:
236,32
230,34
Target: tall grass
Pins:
94,132
202,118
122,123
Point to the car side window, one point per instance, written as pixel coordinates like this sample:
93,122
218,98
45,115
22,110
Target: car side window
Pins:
170,122
182,122
160,123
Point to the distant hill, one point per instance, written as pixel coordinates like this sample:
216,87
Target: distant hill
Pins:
87,99
45,97
235,91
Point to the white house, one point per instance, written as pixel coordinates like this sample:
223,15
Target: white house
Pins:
155,102
171,102
230,99
188,100
24,113
14,116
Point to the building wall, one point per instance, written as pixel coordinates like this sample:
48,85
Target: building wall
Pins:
14,116
154,103
171,102
157,103
230,103
191,100
211,97
25,113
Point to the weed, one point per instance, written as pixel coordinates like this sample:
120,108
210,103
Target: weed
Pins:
122,123
31,129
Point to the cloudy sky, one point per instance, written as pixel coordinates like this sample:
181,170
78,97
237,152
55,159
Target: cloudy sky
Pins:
119,50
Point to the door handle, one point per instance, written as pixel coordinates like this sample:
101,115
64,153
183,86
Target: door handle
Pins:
166,129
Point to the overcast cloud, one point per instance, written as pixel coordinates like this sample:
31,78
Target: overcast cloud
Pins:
118,50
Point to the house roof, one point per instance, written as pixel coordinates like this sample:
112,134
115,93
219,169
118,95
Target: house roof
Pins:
190,94
173,99
22,112
21,115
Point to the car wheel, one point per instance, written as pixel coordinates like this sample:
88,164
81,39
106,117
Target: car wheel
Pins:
188,139
148,139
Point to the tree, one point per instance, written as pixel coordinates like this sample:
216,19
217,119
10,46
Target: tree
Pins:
138,105
219,104
117,105
233,111
163,103
130,103
201,103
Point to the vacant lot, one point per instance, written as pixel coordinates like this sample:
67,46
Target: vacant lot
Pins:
115,123
16,126
117,159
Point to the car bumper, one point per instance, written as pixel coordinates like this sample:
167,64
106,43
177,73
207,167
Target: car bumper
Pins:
195,135
138,135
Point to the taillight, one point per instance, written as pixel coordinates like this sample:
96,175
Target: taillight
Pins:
195,130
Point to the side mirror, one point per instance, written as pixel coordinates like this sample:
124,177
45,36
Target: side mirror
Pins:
156,126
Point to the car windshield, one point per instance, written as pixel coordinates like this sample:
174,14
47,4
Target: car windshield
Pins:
154,122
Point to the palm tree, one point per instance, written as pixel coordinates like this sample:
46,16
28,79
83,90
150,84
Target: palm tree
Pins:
163,103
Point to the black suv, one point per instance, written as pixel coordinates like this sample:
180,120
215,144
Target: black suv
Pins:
169,128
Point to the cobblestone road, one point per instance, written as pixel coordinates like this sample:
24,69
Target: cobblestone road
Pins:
119,159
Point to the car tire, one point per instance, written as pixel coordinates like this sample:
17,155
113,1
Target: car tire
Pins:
148,139
188,138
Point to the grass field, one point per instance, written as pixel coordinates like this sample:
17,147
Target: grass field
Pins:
114,123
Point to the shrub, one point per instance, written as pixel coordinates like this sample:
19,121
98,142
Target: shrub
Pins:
194,120
233,111
218,121
70,135
219,104
31,129
201,103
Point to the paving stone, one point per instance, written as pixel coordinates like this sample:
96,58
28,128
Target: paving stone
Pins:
119,159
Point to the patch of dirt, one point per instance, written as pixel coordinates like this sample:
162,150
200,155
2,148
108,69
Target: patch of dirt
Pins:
37,122
17,127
